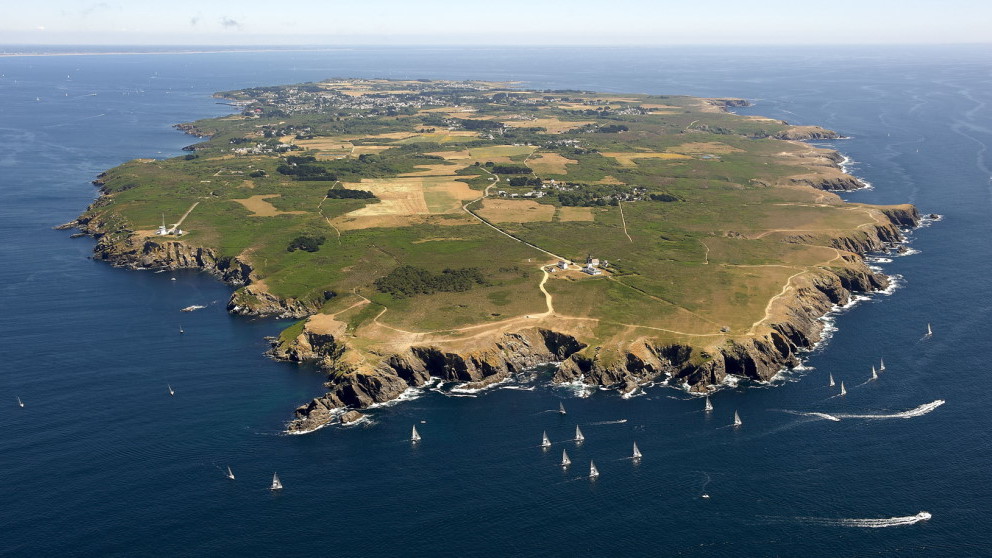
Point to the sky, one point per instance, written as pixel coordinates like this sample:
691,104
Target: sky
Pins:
494,22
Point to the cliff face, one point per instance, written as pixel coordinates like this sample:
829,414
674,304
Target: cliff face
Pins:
792,328
122,247
359,386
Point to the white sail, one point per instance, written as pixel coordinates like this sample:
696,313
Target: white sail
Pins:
637,452
276,485
561,408
181,330
737,419
593,471
578,434
842,390
415,436
881,365
565,461
929,330
545,442
19,402
171,391
832,383
709,406
230,474
874,373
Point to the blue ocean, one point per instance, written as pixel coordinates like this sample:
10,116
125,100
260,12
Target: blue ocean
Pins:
101,461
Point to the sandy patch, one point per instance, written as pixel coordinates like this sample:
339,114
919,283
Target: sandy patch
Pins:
609,180
701,148
630,159
549,163
575,214
414,195
259,207
434,170
495,153
551,124
516,211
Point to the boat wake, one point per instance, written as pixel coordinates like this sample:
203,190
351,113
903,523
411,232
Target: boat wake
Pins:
924,409
912,413
866,523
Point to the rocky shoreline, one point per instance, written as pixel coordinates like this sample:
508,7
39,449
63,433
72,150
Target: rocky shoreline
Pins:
757,357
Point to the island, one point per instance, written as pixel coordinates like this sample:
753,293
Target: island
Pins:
462,232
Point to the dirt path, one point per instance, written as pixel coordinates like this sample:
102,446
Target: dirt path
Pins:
768,307
623,221
185,215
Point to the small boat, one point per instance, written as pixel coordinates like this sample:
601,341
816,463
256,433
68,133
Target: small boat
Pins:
193,308
832,383
276,485
578,435
181,330
230,475
593,471
874,373
561,408
637,453
171,391
545,441
842,390
414,435
20,403
881,365
737,419
709,406
929,330
565,461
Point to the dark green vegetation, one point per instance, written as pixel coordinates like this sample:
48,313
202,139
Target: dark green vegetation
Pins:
306,243
408,280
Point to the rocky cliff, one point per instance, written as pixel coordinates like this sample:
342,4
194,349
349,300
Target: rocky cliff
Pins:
117,244
793,326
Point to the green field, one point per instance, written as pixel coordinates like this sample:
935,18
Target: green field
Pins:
731,232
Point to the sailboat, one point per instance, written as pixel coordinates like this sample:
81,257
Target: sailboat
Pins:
737,419
230,475
929,330
832,383
19,402
171,391
874,373
276,485
842,390
593,471
709,406
415,436
565,461
545,442
637,452
881,365
578,435
561,408
181,329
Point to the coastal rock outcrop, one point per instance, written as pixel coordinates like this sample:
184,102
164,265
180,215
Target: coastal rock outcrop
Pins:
361,386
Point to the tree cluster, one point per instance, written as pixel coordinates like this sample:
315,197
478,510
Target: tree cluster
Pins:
349,194
306,243
511,169
408,280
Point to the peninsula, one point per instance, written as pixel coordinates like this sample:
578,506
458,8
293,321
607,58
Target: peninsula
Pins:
465,231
